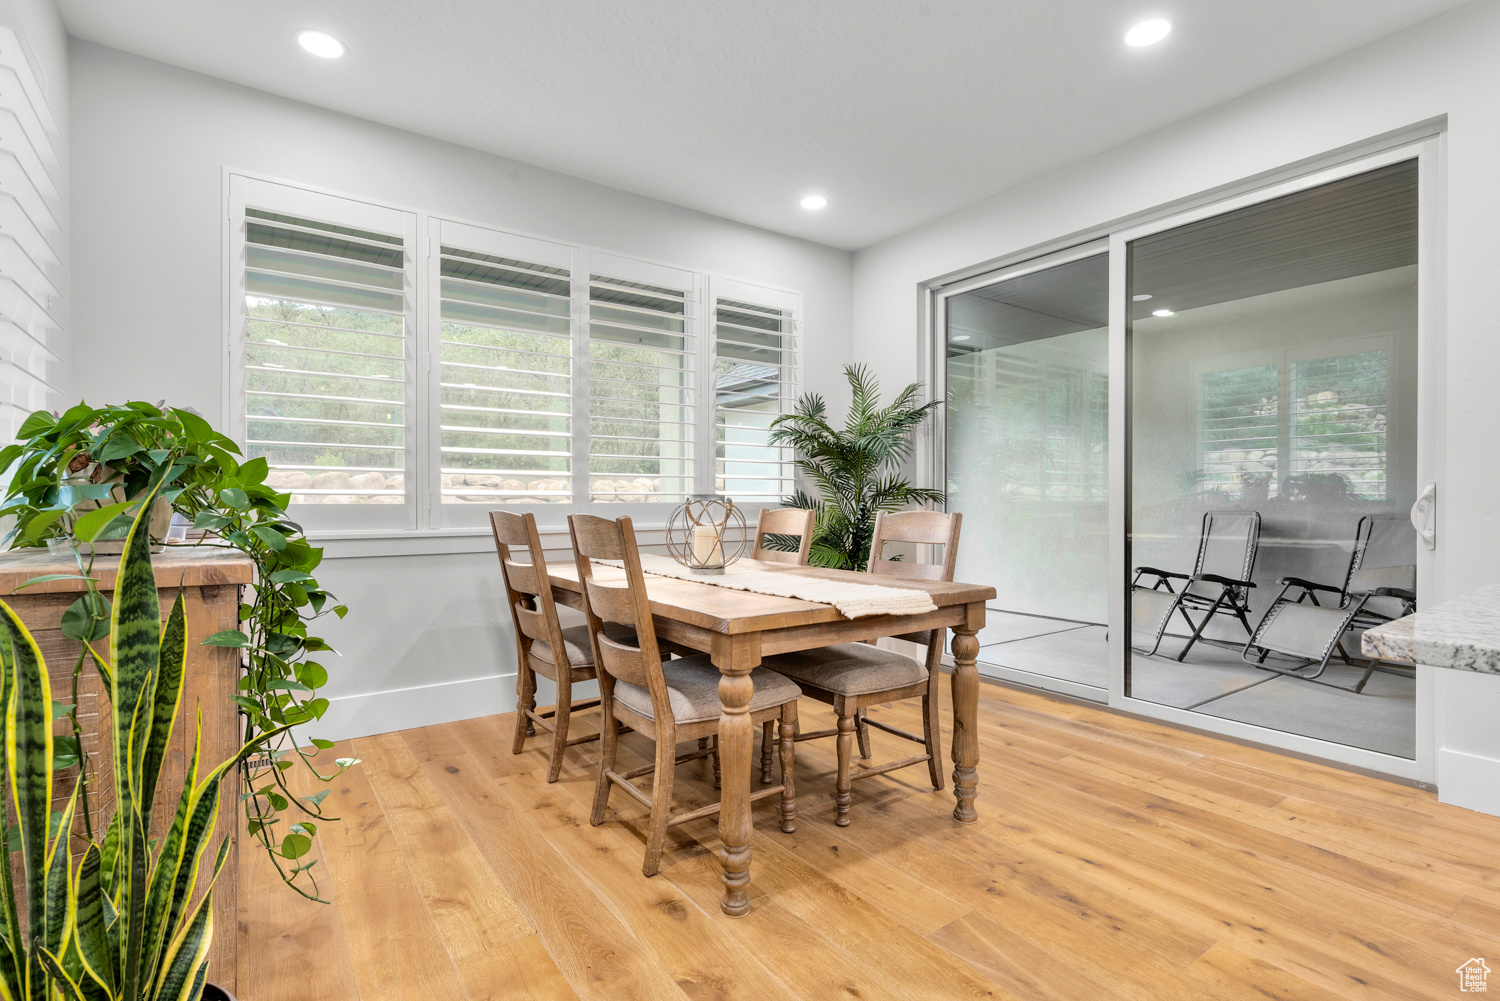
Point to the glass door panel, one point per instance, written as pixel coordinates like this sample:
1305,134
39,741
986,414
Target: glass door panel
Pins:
1272,458
1027,451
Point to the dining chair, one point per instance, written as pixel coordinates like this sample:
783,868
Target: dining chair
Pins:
669,702
853,676
543,645
784,521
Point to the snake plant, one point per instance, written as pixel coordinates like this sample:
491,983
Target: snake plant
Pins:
123,923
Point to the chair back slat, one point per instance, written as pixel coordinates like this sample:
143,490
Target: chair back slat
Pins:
528,589
611,603
521,576
596,538
795,521
601,539
933,528
531,623
625,663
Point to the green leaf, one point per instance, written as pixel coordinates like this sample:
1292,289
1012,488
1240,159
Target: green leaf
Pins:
285,686
235,498
227,637
211,520
89,525
270,537
288,576
294,846
254,472
324,745
312,674
118,448
70,495
44,578
34,425
60,709
65,753
28,758
86,619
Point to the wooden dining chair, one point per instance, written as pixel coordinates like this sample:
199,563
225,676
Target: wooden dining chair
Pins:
543,645
670,702
853,676
784,521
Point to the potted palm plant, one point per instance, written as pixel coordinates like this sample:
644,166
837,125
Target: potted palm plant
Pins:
856,469
126,923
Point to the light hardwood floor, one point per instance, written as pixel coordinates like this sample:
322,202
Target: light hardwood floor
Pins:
1114,859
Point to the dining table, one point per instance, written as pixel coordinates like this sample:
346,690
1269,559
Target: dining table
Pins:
738,628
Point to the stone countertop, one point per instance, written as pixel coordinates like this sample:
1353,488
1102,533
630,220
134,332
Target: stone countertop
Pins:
1463,634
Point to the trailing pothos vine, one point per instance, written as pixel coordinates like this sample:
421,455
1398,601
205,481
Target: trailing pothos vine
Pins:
78,476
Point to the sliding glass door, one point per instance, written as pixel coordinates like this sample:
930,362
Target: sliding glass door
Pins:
1273,457
1027,431
1193,462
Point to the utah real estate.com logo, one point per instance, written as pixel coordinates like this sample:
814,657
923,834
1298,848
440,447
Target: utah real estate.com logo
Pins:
1472,976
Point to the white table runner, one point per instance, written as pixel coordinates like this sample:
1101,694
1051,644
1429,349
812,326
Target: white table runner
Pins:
854,601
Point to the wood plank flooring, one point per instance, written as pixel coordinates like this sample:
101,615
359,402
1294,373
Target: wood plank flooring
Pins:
1114,859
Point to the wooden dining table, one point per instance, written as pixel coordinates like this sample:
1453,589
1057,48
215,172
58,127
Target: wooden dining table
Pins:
738,628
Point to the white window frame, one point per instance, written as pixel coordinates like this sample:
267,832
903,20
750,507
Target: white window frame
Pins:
343,211
424,516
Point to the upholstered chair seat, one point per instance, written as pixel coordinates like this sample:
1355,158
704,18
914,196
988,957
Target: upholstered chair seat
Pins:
693,688
849,668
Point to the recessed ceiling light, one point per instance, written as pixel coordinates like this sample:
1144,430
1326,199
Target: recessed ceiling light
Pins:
815,202
959,337
1140,298
1148,32
1162,312
321,44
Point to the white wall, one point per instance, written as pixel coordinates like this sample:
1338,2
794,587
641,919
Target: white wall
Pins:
1443,67
427,638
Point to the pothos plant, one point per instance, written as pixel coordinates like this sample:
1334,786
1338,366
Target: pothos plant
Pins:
75,477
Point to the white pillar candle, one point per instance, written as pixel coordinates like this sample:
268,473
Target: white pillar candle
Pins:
706,550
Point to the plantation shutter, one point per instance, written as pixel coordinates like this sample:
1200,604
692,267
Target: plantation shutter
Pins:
754,383
1238,427
1338,422
325,306
29,230
506,388
642,396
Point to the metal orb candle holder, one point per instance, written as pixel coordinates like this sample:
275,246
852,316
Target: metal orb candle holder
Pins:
706,534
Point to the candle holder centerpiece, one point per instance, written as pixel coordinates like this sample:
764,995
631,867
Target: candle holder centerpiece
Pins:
706,534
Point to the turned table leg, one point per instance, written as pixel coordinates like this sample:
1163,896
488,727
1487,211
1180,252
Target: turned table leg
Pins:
965,688
735,657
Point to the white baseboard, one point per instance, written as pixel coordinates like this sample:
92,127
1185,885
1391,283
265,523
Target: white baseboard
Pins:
353,716
1471,781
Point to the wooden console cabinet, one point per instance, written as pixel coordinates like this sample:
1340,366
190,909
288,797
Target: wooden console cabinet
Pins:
211,579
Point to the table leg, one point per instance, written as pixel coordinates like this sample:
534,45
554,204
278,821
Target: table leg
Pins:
735,657
965,688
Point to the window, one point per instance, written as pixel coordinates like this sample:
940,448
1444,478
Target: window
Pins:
1297,428
754,360
643,406
505,387
396,383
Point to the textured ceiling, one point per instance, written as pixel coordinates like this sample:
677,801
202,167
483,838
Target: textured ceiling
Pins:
898,110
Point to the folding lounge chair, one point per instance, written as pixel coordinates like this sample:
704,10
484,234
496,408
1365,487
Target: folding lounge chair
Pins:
1300,627
1219,584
